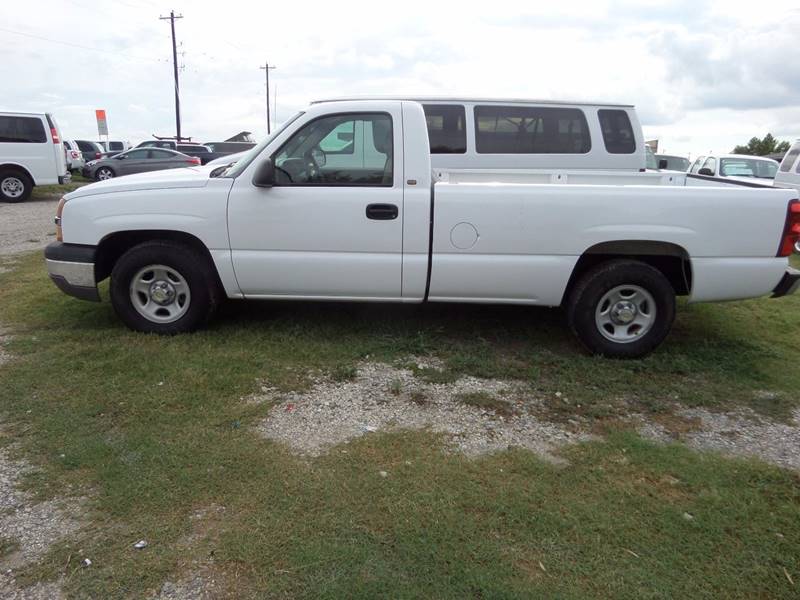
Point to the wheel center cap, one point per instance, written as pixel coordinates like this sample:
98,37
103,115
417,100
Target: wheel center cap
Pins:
623,312
162,292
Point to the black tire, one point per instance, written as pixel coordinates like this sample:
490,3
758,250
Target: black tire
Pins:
15,186
192,265
589,290
108,170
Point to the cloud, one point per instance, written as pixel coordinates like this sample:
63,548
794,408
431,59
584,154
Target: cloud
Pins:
699,72
749,68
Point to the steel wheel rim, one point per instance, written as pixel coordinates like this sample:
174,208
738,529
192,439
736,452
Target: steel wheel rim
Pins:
625,314
104,174
13,187
160,294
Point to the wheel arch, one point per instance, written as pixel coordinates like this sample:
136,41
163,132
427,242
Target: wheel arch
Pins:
671,259
114,245
18,167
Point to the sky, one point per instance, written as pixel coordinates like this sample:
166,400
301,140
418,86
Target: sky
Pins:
704,75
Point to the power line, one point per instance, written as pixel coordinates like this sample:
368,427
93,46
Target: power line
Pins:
101,50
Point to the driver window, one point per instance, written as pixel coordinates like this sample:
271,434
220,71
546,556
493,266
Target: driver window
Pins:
342,150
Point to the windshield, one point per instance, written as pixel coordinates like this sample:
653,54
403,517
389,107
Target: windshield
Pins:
241,164
748,167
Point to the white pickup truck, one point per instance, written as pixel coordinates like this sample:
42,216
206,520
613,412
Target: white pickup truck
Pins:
342,203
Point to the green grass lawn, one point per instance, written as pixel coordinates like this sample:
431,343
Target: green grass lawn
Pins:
78,180
155,428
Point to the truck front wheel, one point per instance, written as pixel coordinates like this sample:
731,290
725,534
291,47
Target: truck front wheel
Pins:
163,287
621,308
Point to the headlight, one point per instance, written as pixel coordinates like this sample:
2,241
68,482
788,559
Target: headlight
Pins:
59,210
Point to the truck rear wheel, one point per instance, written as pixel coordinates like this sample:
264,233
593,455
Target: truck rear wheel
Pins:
163,287
621,309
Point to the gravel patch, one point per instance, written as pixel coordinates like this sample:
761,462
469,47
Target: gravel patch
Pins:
5,337
199,586
38,591
739,433
386,398
27,225
33,526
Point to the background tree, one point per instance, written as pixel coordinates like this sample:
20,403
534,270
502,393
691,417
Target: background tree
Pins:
762,147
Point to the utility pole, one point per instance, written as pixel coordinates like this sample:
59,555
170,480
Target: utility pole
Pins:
171,19
267,68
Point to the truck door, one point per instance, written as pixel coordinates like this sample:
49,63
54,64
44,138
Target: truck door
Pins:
331,226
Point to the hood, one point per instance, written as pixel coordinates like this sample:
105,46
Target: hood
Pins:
190,177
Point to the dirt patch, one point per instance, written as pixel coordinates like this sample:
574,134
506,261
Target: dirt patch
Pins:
201,585
31,527
5,337
27,225
387,398
739,433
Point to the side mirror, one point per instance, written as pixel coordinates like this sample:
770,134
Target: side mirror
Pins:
706,171
265,174
662,163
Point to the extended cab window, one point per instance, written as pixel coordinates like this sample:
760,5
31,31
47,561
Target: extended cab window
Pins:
617,131
447,131
530,130
346,150
22,130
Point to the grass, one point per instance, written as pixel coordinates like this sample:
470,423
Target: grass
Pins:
486,401
156,429
43,191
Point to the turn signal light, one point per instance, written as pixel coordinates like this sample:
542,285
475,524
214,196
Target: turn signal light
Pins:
59,210
791,231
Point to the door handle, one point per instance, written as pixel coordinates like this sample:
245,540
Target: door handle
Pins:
382,212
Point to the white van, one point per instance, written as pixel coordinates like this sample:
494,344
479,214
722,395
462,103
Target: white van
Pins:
478,133
788,175
31,153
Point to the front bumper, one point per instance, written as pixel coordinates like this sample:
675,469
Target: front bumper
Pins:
789,283
71,267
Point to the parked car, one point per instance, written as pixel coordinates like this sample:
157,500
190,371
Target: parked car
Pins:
191,149
90,150
112,147
222,148
313,214
670,162
788,175
226,159
31,154
74,156
137,160
741,167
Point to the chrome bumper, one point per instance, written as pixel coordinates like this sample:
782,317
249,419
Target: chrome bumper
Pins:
72,270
